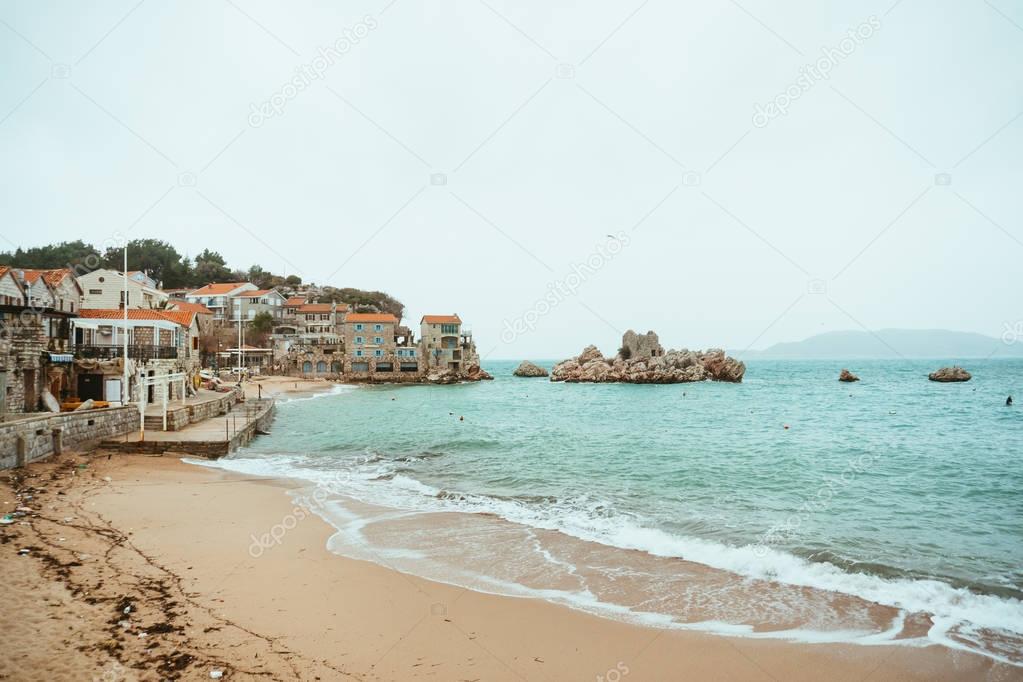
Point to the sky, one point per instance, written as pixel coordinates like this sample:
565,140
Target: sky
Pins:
728,174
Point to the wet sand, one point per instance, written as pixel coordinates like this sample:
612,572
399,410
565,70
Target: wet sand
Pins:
158,573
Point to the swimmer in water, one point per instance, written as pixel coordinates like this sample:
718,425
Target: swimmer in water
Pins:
1008,401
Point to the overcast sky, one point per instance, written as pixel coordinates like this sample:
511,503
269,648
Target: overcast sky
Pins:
468,156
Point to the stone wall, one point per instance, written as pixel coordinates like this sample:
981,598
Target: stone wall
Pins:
179,416
32,438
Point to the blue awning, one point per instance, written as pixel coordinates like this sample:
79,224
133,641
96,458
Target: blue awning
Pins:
61,357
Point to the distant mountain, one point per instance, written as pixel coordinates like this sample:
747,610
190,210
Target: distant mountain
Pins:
890,343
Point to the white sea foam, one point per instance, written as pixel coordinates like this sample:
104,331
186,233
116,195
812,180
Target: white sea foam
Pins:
951,607
336,389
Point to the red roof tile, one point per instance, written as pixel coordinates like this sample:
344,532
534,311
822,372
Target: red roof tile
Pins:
441,319
314,308
181,317
217,289
372,317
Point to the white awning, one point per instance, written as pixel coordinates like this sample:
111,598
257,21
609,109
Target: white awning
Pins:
61,357
97,322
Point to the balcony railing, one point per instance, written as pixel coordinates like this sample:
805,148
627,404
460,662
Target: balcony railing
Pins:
135,352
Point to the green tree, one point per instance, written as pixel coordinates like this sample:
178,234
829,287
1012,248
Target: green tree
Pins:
62,255
262,323
210,266
157,258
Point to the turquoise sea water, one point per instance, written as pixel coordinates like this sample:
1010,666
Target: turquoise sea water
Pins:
894,491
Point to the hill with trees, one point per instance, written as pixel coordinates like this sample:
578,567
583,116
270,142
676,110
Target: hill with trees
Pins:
161,261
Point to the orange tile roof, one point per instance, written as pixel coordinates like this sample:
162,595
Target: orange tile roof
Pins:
314,308
254,294
294,301
372,317
191,307
441,319
181,317
217,289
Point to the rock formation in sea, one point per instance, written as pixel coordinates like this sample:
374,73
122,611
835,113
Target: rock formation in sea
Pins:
946,374
642,360
448,376
528,369
847,376
476,373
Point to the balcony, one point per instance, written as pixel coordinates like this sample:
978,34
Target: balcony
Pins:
135,352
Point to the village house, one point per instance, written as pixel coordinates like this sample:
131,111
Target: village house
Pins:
35,338
248,304
218,297
160,343
444,343
104,289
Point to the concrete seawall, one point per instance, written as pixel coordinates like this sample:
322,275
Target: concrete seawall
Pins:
213,438
32,438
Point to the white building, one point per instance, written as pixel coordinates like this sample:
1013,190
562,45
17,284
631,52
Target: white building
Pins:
217,297
104,290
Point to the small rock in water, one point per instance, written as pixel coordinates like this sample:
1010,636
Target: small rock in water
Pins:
949,374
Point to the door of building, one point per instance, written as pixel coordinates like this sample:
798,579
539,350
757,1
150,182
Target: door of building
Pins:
90,387
29,376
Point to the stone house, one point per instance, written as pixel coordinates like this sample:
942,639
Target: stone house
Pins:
104,289
36,307
445,344
160,342
370,344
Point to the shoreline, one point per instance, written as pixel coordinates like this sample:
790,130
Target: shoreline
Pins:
300,611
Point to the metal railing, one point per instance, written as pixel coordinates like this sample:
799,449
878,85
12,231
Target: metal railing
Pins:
135,352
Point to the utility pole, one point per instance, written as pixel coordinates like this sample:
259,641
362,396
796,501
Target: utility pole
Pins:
124,331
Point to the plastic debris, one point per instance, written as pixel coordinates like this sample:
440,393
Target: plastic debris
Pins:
7,519
216,674
23,552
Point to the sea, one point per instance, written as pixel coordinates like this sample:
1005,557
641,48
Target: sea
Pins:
789,506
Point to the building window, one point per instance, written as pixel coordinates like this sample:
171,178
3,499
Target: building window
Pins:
358,327
378,353
359,339
378,327
449,329
378,340
358,353
95,292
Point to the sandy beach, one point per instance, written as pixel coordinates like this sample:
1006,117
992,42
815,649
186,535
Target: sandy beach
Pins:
285,387
148,568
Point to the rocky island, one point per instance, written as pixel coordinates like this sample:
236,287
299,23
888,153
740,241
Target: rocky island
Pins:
948,374
528,369
642,360
847,376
